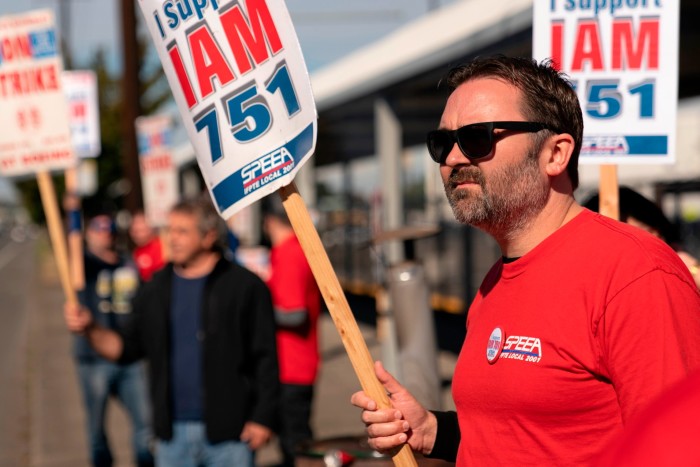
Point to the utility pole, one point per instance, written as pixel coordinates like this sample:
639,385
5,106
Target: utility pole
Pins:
64,29
131,107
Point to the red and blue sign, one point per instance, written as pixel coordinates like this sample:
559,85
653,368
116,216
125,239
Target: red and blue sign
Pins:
622,58
241,85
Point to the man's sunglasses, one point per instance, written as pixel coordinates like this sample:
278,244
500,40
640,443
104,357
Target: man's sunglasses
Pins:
475,140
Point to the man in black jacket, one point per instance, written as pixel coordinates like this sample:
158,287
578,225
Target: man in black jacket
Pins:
206,327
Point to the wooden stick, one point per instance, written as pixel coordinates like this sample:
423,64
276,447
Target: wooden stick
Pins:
608,192
75,237
58,240
338,306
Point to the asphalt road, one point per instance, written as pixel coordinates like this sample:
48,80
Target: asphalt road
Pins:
15,271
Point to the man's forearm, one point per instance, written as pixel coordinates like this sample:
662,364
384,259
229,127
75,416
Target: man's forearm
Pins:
106,342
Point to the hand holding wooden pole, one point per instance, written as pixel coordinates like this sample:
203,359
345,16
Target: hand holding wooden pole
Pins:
338,306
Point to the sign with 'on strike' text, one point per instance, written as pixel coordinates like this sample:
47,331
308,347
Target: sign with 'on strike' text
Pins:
34,131
239,79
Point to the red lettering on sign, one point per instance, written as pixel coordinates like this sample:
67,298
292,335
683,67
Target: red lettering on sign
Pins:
8,163
251,36
149,163
633,54
78,110
557,44
44,157
587,47
183,79
14,48
30,81
209,61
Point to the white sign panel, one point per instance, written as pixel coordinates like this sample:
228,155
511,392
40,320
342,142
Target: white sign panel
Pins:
80,88
240,82
158,172
34,133
622,57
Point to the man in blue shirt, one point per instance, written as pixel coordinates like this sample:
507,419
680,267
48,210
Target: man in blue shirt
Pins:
206,328
110,284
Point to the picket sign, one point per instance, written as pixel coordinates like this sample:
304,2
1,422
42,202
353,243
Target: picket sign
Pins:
158,171
35,137
622,60
240,82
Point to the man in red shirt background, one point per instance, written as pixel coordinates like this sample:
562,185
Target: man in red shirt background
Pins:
297,304
148,249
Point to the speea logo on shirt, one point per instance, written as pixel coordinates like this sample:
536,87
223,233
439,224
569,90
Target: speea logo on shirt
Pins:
528,349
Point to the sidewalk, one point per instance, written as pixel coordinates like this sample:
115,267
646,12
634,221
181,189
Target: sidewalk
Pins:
56,415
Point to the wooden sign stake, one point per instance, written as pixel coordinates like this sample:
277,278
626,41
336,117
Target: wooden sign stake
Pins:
609,194
75,237
338,306
58,240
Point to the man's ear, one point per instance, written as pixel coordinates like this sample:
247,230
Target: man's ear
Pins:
558,150
210,239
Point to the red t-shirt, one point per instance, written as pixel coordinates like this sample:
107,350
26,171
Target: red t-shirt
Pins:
149,258
665,434
594,322
293,288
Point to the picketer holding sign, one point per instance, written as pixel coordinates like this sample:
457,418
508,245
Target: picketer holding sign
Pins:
581,323
241,85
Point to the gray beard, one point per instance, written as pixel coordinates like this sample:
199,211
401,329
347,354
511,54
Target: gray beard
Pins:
506,203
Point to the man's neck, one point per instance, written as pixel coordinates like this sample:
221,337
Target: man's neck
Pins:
559,210
199,266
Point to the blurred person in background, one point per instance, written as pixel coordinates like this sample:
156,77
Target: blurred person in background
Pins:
148,249
206,328
639,211
297,302
111,281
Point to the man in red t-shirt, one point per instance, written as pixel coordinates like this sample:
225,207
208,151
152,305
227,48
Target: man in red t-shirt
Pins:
297,302
148,250
580,323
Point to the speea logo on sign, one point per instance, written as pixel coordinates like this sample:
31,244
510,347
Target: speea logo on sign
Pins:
266,169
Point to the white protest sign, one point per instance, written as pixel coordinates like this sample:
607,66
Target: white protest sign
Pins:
622,56
158,172
80,89
34,135
240,82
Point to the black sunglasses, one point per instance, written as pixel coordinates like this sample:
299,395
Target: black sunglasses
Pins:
475,140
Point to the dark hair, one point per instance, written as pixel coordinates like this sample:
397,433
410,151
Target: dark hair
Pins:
208,218
548,96
272,206
633,204
94,206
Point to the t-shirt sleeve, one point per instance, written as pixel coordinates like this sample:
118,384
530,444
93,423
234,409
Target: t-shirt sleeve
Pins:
647,337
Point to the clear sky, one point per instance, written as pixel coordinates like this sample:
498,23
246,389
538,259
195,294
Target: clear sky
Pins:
327,29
